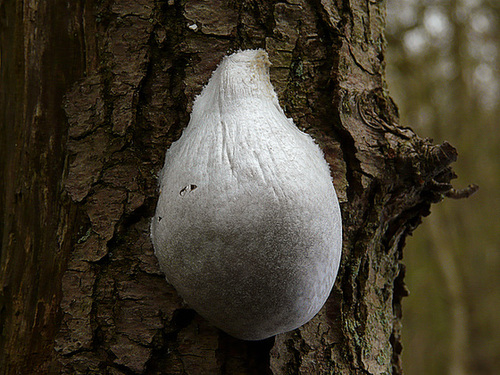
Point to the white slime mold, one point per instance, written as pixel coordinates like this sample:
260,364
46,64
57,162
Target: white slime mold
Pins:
248,227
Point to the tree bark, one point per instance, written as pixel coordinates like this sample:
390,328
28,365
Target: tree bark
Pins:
92,95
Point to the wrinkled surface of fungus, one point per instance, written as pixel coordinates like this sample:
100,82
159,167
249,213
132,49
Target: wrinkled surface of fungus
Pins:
247,226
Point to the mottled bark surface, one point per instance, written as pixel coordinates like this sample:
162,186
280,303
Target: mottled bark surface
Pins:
93,93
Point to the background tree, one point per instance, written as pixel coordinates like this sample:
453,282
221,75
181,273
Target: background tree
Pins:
444,71
92,95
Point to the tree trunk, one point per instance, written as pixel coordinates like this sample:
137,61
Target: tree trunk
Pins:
92,95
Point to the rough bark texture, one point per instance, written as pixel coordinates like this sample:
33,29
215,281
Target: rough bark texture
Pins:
92,95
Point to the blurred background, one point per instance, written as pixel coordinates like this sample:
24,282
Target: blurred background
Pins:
443,71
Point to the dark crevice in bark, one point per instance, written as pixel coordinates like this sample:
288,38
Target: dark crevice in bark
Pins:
261,13
353,170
